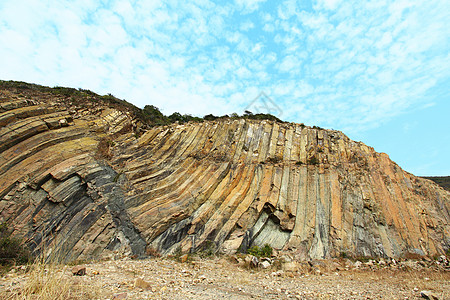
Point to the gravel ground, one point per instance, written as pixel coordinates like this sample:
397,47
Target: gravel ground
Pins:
224,278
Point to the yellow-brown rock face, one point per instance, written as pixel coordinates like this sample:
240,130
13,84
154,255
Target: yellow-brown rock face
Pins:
77,182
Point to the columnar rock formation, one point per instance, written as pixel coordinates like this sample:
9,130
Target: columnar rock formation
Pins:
80,182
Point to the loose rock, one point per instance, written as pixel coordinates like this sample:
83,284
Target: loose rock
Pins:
120,296
141,284
428,295
79,270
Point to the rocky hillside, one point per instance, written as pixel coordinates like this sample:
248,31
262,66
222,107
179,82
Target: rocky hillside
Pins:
443,181
86,177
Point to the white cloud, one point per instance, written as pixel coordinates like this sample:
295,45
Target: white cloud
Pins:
357,63
269,27
247,25
248,6
289,64
257,48
287,9
327,4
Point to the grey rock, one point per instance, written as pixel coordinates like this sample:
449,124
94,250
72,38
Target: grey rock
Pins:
264,264
428,295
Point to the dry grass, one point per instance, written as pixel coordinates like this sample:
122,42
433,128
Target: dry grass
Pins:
50,282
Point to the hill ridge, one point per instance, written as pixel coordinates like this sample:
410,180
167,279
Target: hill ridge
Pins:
82,180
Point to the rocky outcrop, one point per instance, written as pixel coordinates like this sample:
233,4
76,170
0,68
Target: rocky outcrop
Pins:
443,181
80,182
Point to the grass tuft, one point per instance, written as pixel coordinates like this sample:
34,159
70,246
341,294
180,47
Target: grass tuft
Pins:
50,282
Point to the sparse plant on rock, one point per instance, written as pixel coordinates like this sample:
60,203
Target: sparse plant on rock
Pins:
11,250
265,251
208,250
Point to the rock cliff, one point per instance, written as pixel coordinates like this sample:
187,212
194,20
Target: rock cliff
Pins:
81,178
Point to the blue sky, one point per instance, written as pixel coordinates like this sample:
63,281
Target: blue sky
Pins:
377,70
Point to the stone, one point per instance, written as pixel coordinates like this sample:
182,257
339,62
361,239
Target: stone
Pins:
264,264
234,259
428,295
267,259
252,261
184,258
141,284
248,258
79,270
443,260
120,296
291,266
63,122
278,273
370,263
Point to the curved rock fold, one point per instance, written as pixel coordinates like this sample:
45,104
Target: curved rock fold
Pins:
80,182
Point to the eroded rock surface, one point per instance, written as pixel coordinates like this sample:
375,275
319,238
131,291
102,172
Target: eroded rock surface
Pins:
81,181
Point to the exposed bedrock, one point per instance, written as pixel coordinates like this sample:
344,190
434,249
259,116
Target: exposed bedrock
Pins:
84,185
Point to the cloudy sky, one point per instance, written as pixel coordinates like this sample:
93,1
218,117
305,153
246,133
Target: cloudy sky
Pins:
377,70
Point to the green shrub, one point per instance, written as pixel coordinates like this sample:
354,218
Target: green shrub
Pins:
65,91
255,251
210,117
178,252
265,251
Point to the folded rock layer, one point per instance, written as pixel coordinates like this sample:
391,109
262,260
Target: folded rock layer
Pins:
82,181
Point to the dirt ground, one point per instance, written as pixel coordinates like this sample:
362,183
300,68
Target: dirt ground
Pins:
225,278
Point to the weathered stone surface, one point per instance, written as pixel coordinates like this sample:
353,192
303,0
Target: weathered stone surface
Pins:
141,284
75,183
79,270
265,264
428,295
120,296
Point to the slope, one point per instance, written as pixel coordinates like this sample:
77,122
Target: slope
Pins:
85,177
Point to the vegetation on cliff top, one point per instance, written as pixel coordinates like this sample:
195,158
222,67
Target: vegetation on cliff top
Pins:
150,114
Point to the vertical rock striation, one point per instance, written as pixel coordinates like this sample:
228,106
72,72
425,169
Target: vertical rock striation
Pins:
313,191
79,183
